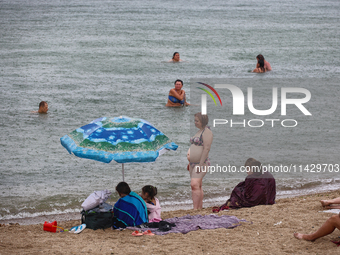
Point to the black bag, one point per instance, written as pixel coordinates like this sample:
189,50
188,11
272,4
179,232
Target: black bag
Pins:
100,217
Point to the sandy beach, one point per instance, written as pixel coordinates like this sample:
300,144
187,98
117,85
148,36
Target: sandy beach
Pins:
270,232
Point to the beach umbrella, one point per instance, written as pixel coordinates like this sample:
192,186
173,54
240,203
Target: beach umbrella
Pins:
121,139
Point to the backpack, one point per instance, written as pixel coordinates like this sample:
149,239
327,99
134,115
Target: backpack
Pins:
100,217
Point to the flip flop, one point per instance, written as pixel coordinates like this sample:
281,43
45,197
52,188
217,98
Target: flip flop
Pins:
216,209
77,229
148,233
224,207
136,233
336,242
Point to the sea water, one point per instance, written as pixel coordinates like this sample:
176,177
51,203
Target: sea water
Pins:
90,59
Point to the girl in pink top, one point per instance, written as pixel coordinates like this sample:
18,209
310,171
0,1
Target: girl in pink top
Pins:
152,204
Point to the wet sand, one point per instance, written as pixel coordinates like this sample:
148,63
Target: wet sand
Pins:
270,232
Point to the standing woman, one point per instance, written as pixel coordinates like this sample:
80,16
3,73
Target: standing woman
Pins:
198,157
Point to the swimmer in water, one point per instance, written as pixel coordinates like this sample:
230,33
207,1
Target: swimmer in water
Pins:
266,64
175,58
43,107
260,67
177,95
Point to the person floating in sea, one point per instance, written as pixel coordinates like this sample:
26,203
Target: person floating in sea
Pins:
43,107
329,226
260,68
175,58
177,95
257,189
266,65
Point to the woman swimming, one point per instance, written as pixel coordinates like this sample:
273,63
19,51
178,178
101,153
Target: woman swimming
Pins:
266,65
177,95
260,68
175,58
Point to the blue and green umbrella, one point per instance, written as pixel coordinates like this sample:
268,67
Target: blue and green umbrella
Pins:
121,139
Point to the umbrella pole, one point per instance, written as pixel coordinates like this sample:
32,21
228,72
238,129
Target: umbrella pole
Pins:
123,171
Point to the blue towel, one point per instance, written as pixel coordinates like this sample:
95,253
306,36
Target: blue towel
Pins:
131,210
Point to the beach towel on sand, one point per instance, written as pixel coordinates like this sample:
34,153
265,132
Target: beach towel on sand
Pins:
189,223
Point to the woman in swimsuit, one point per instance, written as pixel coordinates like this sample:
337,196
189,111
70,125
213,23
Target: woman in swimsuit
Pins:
266,65
175,58
260,67
198,157
177,95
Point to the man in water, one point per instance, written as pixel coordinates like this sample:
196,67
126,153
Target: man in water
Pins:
43,107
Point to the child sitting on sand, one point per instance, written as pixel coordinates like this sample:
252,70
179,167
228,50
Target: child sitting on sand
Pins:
152,204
